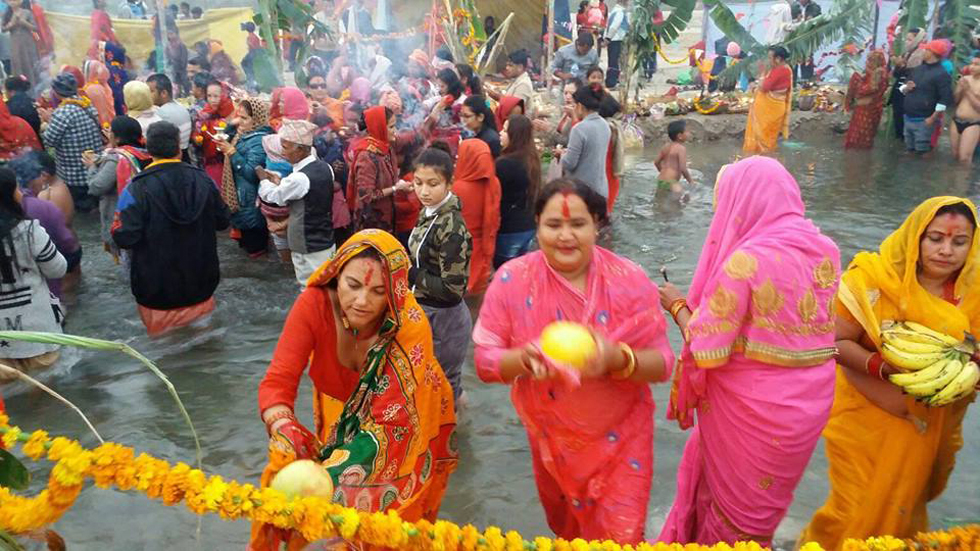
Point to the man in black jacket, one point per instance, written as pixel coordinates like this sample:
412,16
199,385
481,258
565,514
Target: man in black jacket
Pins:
168,216
928,92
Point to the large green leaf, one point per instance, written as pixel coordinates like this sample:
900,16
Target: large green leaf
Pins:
959,20
13,473
728,24
680,15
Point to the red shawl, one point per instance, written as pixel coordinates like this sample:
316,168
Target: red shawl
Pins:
15,134
45,38
477,187
504,109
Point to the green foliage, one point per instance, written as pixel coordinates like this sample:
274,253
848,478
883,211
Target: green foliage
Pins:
725,20
290,16
680,16
13,473
959,20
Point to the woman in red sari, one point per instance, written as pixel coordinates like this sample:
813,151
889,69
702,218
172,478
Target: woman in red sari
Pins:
16,135
476,185
101,28
866,99
373,178
383,409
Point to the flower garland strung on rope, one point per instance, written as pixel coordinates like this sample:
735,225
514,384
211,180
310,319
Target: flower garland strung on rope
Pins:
114,466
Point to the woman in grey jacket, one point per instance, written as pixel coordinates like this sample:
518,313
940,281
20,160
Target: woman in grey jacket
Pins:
588,144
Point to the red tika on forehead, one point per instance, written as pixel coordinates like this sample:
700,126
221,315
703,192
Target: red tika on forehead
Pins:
369,276
566,212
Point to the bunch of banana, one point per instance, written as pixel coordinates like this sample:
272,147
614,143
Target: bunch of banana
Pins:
938,369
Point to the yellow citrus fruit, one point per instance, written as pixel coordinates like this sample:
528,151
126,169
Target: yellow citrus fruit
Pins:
304,478
568,343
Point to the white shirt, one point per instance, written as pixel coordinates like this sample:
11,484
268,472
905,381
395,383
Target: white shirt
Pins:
523,88
618,24
429,211
291,188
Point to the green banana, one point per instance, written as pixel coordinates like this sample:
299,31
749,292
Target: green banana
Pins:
961,386
950,369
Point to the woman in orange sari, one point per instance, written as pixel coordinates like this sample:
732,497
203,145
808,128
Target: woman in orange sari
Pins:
866,99
97,89
383,410
888,455
477,186
769,115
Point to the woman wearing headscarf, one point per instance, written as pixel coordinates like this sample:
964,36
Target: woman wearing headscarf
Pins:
373,178
16,135
288,102
97,90
509,105
239,183
475,183
211,121
866,99
20,103
101,28
890,455
382,408
769,115
115,60
222,67
757,365
139,104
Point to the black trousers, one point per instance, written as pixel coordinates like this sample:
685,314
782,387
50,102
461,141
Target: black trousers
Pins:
612,75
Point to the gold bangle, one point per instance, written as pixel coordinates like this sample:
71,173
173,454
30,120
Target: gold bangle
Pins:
677,306
630,368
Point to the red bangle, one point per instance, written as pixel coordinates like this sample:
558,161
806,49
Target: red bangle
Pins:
873,365
284,414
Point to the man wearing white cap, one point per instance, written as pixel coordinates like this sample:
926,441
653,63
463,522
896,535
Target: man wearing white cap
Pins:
308,192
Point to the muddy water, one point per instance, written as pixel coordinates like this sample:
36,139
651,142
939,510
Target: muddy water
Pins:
857,198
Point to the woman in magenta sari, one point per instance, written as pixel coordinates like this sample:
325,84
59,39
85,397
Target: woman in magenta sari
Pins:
758,359
592,441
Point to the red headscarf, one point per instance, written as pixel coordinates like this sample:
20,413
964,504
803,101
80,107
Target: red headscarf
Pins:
45,38
375,141
75,72
507,104
294,102
15,134
476,184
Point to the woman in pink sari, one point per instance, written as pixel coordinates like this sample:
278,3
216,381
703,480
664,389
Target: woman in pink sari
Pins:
592,440
96,88
758,358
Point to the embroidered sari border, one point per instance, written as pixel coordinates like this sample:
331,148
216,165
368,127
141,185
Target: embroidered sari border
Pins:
784,357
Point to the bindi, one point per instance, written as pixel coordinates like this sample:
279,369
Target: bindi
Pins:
369,276
566,212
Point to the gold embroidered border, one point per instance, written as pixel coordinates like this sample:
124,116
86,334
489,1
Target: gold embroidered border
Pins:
803,330
775,355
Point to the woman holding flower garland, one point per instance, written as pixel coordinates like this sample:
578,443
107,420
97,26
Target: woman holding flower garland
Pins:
383,409
592,441
757,363
888,455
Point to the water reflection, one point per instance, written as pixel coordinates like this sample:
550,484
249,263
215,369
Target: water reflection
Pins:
855,197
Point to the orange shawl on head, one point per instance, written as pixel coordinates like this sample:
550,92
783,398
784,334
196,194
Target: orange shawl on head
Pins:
97,89
389,448
477,186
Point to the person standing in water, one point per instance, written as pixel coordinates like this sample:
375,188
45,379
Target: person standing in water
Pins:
168,217
964,133
672,161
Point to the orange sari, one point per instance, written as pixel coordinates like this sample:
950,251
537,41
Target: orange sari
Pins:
768,117
389,447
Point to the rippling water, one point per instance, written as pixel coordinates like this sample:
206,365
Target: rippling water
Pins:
856,198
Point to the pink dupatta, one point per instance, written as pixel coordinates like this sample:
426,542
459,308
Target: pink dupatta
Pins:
593,445
758,359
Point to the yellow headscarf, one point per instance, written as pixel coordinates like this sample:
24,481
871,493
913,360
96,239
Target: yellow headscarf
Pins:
136,94
883,286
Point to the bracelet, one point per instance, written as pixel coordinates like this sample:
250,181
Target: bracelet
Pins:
676,307
873,366
284,414
630,368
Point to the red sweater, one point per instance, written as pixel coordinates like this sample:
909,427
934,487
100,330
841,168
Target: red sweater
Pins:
779,80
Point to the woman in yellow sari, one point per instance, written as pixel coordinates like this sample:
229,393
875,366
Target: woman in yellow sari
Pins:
890,455
769,114
383,409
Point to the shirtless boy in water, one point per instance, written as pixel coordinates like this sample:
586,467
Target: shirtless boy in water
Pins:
672,162
965,130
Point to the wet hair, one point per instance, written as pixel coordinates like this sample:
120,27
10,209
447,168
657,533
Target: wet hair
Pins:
11,214
675,129
593,201
478,104
127,131
519,57
594,69
362,122
201,62
162,83
780,52
163,140
585,40
958,208
521,146
438,159
452,82
609,106
469,78
17,84
443,53
202,80
590,98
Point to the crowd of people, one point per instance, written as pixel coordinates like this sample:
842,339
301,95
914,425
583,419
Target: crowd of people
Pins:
399,188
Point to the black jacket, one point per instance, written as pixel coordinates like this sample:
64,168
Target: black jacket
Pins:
168,217
932,85
310,227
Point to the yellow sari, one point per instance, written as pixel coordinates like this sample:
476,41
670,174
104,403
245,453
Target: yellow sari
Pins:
768,117
884,469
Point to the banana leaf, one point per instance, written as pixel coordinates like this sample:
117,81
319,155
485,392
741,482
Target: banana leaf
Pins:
726,22
960,18
13,473
680,16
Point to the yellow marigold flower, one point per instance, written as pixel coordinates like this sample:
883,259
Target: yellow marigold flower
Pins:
543,544
495,539
348,527
578,544
34,447
175,484
10,437
4,420
213,492
812,546
514,541
470,538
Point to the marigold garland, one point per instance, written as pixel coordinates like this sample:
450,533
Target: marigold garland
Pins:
114,465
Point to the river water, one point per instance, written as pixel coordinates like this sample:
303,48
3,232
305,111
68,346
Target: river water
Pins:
856,198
